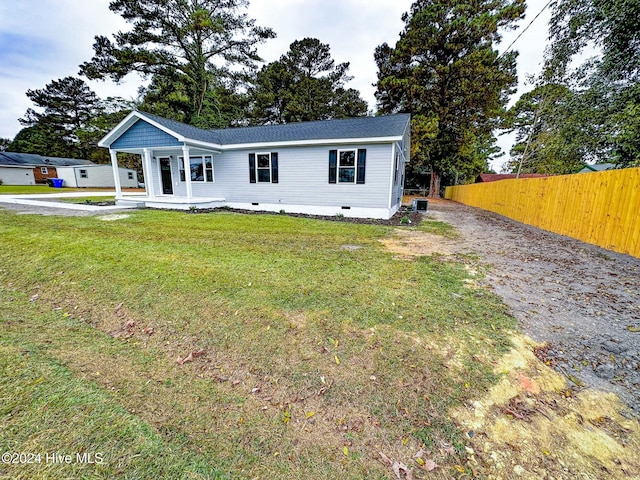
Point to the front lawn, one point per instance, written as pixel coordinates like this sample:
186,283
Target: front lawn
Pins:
33,189
225,345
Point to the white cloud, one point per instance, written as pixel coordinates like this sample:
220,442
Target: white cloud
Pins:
43,40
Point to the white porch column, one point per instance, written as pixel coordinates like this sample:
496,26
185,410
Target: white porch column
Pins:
187,171
148,174
116,173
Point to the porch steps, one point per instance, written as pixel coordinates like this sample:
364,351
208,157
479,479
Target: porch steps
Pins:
130,202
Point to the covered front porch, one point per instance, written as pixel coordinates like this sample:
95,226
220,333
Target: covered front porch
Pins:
178,169
174,178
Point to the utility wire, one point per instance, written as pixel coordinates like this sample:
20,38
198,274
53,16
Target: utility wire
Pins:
523,31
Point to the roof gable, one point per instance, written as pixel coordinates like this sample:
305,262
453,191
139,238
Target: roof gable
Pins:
142,134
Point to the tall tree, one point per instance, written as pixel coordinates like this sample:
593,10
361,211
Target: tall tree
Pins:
107,115
187,40
67,104
611,25
4,143
608,85
224,104
40,139
445,71
305,84
550,138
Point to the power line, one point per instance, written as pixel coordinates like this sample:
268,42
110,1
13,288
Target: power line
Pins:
522,32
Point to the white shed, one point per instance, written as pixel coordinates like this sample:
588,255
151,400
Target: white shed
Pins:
17,175
96,176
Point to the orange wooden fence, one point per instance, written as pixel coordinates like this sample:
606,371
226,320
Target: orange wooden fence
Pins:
602,208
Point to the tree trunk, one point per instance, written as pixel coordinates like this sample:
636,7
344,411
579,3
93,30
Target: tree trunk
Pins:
434,185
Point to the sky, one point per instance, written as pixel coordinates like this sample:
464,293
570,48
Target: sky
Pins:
44,40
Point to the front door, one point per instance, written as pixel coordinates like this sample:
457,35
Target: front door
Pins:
165,174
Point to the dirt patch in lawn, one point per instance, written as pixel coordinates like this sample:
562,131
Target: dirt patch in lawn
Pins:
412,243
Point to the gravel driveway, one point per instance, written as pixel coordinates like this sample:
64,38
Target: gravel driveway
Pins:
583,301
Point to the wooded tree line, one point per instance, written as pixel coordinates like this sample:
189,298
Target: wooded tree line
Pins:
200,59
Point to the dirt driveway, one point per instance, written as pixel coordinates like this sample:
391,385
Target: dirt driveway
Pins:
583,301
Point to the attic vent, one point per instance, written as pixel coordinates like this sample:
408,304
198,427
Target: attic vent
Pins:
255,203
420,205
346,208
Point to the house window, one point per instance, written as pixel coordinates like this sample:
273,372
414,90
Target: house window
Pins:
130,175
201,168
44,170
83,173
263,167
347,166
397,169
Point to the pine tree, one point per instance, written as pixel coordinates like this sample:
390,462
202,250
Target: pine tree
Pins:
445,71
68,105
183,41
305,84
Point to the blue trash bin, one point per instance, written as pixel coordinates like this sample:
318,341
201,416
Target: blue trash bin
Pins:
57,182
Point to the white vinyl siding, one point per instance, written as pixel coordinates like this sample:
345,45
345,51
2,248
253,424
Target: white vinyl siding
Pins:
303,174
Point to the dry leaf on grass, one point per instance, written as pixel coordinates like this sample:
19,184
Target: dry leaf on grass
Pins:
182,361
399,467
425,464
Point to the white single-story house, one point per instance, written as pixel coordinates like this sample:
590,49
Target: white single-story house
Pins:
353,167
96,176
16,175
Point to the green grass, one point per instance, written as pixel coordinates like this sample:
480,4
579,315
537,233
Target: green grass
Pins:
88,199
32,189
309,347
437,227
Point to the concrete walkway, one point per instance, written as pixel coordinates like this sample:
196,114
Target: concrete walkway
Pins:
48,201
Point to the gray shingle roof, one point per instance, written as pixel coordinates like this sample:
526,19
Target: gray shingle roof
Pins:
31,159
360,127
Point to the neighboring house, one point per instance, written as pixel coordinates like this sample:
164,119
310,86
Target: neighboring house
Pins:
44,168
494,177
16,175
97,176
597,167
352,167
